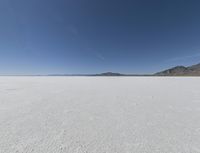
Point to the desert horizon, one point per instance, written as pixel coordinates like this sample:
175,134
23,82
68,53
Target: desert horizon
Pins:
99,76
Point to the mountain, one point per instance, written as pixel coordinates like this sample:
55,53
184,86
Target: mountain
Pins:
109,74
193,70
100,74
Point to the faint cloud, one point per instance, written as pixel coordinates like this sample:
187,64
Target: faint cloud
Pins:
99,56
96,54
72,30
183,58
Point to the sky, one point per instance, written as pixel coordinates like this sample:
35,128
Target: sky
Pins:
94,36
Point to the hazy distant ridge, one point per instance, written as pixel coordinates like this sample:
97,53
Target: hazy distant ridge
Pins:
193,70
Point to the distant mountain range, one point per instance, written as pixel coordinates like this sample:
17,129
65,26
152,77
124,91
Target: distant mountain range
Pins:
193,70
119,74
109,74
101,74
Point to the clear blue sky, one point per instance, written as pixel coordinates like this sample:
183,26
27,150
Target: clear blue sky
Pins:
94,36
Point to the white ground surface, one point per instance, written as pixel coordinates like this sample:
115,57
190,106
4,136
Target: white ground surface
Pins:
99,115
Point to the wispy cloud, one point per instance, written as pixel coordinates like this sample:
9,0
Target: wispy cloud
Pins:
72,29
96,54
100,56
183,58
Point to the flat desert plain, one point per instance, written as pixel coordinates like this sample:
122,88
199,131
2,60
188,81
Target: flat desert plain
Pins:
99,115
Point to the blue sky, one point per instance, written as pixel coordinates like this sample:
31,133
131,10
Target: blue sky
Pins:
94,36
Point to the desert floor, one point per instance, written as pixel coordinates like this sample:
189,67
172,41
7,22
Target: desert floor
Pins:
99,115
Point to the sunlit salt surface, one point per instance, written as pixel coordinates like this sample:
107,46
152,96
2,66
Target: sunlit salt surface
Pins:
99,115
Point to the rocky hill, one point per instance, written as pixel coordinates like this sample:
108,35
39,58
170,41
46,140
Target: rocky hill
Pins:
193,70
